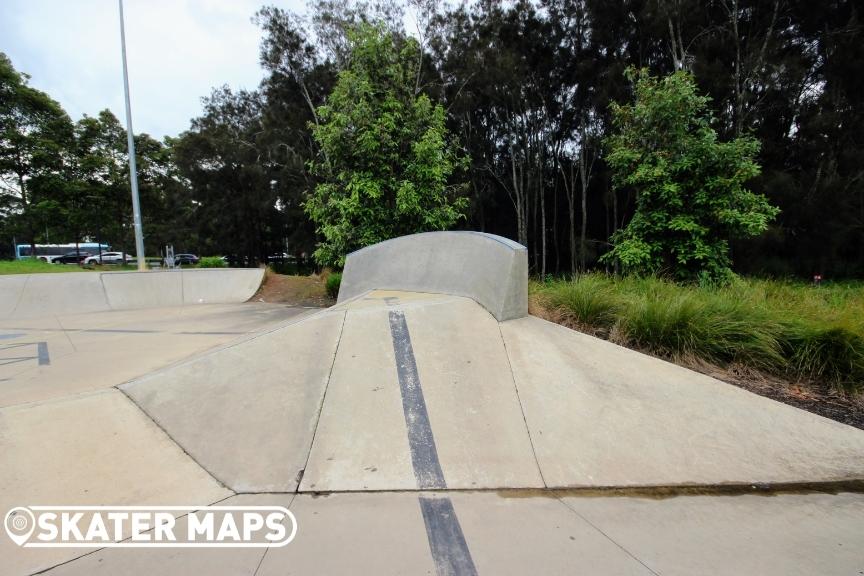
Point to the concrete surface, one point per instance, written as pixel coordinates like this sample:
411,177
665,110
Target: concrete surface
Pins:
97,350
42,295
176,561
87,450
489,269
473,406
515,534
390,410
354,534
240,415
361,441
791,534
130,290
603,415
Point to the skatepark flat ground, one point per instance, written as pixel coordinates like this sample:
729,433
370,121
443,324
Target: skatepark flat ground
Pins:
414,433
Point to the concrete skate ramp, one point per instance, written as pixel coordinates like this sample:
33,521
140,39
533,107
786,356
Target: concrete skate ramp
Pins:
39,295
415,391
489,269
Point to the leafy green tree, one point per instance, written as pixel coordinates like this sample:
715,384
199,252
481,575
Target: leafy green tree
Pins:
35,132
386,155
690,188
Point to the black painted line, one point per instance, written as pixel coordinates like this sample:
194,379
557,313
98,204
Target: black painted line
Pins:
424,454
446,540
44,359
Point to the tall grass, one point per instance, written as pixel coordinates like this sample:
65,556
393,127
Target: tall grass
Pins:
798,331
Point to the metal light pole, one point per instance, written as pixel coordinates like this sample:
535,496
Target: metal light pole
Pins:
133,174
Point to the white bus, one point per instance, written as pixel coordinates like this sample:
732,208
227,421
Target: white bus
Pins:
48,252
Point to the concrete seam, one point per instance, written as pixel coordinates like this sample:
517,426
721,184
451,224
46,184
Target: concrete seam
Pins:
180,446
656,491
20,295
266,550
182,289
605,535
105,292
521,407
66,333
323,399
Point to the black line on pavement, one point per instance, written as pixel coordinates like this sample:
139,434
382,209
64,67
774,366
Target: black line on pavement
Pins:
446,540
424,454
42,348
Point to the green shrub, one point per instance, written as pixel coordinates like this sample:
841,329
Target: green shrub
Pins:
590,302
334,280
791,329
711,327
832,353
212,262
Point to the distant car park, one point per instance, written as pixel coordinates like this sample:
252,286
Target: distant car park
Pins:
71,258
108,258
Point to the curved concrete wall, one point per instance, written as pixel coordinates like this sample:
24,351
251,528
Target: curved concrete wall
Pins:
35,295
490,269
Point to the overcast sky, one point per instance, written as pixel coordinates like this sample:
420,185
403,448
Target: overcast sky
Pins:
178,50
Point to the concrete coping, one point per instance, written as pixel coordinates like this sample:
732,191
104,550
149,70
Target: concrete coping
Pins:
490,269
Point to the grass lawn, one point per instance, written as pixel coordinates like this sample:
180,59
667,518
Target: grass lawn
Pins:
33,266
803,334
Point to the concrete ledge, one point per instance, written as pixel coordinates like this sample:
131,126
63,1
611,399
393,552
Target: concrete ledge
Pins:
38,295
491,270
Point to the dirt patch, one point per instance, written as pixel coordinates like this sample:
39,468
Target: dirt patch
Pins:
815,397
295,290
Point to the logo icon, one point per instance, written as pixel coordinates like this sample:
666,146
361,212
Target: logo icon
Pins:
20,523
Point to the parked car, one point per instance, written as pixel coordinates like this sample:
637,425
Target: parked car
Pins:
71,258
185,259
109,258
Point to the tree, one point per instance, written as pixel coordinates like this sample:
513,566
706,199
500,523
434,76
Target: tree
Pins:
386,156
35,132
690,187
231,192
